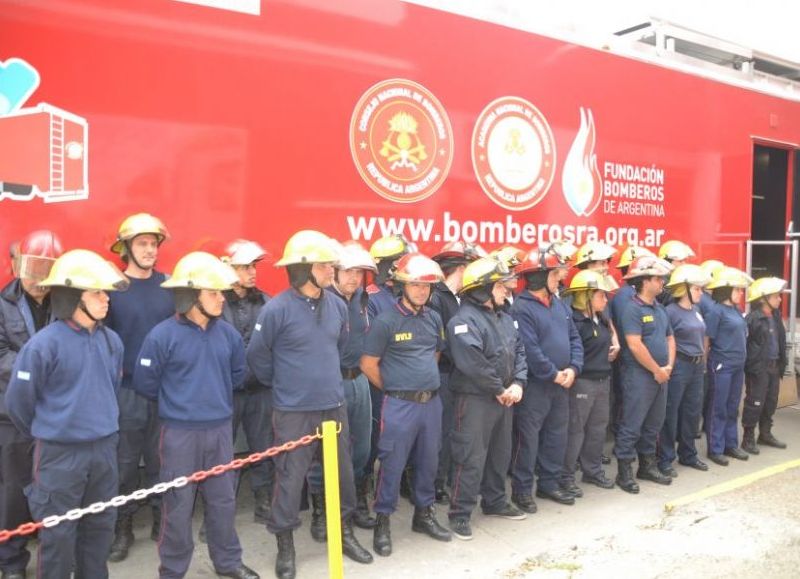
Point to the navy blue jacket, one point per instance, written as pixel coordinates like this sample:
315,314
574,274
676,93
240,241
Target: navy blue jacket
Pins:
133,313
191,372
758,337
64,381
551,341
487,351
446,305
358,321
296,347
596,340
242,314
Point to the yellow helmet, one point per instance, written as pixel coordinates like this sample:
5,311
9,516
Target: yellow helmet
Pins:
484,271
139,224
201,270
675,250
308,246
594,251
509,255
730,277
390,247
85,270
589,280
632,252
687,274
712,267
765,286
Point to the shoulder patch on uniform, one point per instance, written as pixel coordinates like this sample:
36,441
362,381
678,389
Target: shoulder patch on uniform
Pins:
373,289
699,316
22,375
145,362
460,329
257,327
516,324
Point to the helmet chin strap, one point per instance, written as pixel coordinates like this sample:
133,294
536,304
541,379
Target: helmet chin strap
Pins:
133,258
689,292
414,306
203,311
82,307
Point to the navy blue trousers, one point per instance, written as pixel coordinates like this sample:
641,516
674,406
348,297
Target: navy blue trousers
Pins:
541,424
443,471
16,463
183,452
725,385
684,405
644,405
409,430
252,410
139,430
68,476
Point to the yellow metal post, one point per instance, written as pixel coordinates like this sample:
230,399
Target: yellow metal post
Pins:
330,467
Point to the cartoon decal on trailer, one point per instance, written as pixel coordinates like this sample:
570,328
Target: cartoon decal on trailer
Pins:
43,149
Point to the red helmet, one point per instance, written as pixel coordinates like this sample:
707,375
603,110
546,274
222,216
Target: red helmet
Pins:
417,268
36,254
539,260
458,250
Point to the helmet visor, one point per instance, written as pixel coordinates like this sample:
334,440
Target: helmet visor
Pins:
34,267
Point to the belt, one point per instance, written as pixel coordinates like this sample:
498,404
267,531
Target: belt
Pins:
690,359
421,396
350,373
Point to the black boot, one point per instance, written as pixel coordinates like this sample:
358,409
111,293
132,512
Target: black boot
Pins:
625,479
441,494
351,547
319,531
155,528
263,505
425,522
749,440
361,516
649,471
241,572
382,535
284,563
123,538
766,438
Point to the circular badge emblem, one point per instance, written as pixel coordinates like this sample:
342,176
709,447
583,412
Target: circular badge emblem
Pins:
401,140
513,153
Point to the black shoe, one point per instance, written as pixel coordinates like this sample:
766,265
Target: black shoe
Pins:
285,567
461,528
319,530
605,459
736,453
351,547
243,572
442,496
525,503
649,471
361,517
557,495
123,539
625,479
696,464
749,441
263,505
572,489
507,511
424,521
765,437
16,574
669,471
718,459
155,528
599,481
382,536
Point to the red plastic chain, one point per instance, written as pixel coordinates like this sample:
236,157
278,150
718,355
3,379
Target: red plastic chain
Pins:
199,476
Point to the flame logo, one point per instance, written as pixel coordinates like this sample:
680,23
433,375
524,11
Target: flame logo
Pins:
580,178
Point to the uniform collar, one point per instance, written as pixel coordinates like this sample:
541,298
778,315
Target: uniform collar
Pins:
407,312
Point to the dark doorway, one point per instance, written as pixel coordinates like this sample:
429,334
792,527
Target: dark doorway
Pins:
770,174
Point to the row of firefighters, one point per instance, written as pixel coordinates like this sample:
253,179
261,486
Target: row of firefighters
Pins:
429,370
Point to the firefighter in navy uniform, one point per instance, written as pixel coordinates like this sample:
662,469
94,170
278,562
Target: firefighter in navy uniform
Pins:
190,365
648,359
766,362
62,393
676,253
400,358
24,310
252,405
554,355
453,258
296,347
511,256
132,314
488,378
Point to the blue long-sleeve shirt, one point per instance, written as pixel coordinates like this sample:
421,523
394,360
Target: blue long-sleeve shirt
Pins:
551,341
133,313
191,372
296,346
63,384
